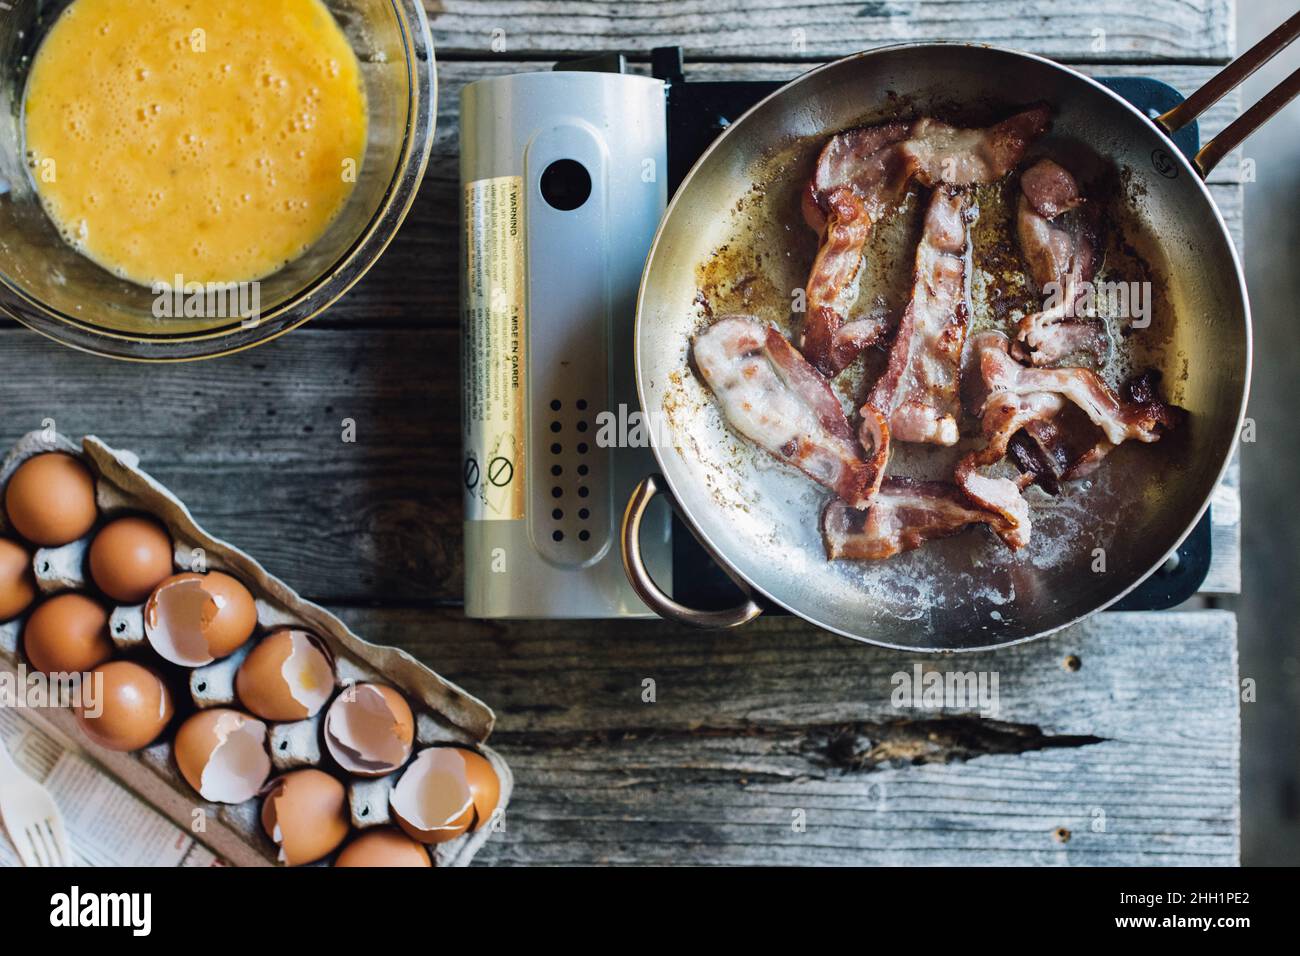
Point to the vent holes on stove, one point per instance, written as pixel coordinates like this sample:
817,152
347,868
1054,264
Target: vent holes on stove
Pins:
570,471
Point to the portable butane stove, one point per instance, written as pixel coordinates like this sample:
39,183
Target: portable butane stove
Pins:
565,176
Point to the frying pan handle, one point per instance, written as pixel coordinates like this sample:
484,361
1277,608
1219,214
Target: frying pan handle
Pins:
1225,82
643,584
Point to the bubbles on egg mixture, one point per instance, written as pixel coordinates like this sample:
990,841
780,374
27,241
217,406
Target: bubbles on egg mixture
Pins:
75,234
156,142
278,85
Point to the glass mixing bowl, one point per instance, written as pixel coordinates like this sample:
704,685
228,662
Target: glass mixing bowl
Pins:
50,287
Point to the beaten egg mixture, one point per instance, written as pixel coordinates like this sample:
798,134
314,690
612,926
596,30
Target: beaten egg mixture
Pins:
206,139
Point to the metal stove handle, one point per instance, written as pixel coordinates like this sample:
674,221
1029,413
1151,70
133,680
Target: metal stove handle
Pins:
644,585
1225,82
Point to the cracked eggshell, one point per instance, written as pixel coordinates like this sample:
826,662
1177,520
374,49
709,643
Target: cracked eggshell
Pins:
67,634
134,706
369,730
222,754
288,676
445,792
305,815
17,582
129,557
384,847
50,499
192,619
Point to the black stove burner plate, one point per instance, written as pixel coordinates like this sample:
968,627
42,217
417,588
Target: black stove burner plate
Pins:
698,112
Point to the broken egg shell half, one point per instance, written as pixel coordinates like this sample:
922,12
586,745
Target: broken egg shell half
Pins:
305,813
222,754
194,619
288,676
369,730
443,793
384,847
134,706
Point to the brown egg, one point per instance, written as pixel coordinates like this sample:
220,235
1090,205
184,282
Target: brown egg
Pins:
50,499
384,846
443,793
17,583
287,676
369,730
193,619
222,754
67,634
135,707
130,557
305,813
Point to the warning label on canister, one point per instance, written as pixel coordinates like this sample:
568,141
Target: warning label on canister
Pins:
492,347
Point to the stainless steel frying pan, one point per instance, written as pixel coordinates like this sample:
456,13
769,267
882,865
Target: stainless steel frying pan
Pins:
759,520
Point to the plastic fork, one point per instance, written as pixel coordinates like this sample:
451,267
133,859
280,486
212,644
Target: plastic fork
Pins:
31,817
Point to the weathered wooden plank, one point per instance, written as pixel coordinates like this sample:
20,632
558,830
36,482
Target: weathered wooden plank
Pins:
254,445
750,727
819,29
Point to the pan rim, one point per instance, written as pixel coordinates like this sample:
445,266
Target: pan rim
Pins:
1185,167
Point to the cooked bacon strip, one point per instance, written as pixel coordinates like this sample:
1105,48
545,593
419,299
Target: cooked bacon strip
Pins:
1025,410
965,157
1145,418
852,338
832,287
1058,449
773,397
1050,188
1002,415
1002,497
918,391
857,160
1069,445
904,515
1060,257
851,190
863,173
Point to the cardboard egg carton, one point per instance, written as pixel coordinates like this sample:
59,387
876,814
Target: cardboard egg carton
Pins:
445,714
